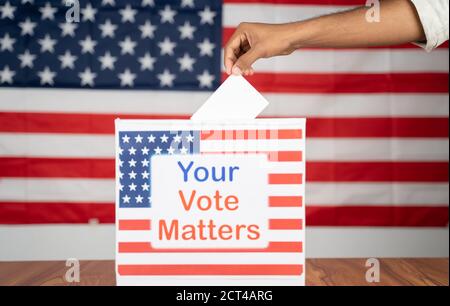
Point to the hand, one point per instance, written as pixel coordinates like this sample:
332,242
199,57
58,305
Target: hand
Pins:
253,41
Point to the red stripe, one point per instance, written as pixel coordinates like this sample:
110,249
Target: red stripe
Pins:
285,224
251,134
285,179
362,215
228,32
350,82
274,247
56,213
316,171
285,201
317,127
304,2
128,270
134,225
377,172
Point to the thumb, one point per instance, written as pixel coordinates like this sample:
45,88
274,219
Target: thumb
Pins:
245,62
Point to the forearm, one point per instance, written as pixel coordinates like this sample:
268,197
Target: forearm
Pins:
399,23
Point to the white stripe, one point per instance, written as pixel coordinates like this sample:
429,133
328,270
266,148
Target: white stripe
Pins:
362,61
272,235
369,105
89,242
397,194
211,281
211,258
234,14
95,190
186,103
318,149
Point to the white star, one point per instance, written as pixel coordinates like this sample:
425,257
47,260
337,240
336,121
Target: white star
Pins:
190,138
139,199
158,151
167,46
127,14
187,31
132,163
206,79
167,15
132,175
147,62
145,151
88,45
107,61
46,76
89,13
47,12
108,2
138,139
7,11
166,78
127,78
164,138
27,27
6,43
186,63
145,187
207,16
151,139
132,187
127,46
148,3
120,162
120,151
120,187
126,139
67,60
132,151
206,47
177,139
87,77
47,44
108,29
26,59
126,199
145,175
183,151
145,162
171,151
147,30
6,75
68,29
187,3
120,175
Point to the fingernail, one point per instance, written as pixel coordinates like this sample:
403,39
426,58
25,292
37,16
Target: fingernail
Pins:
236,70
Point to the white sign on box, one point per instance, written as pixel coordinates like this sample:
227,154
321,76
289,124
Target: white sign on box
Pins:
210,202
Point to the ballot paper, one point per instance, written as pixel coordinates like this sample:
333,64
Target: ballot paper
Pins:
236,98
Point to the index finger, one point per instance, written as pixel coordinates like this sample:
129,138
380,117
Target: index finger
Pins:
231,50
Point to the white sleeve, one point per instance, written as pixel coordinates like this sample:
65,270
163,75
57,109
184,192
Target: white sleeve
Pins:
434,17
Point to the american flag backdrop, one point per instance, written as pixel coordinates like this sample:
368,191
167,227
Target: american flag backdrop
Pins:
377,137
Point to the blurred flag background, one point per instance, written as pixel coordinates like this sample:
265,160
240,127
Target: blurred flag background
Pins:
378,147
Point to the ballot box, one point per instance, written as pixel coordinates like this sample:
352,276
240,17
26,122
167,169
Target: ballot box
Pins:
210,203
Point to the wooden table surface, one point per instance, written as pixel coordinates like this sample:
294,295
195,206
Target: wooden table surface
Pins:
327,272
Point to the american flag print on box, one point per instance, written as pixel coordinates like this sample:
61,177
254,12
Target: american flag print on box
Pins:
210,204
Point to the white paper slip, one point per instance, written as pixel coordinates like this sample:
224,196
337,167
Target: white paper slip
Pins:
236,99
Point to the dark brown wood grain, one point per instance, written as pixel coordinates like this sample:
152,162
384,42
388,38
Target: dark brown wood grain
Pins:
319,272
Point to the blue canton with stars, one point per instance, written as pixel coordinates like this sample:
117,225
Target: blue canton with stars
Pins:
135,152
134,44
